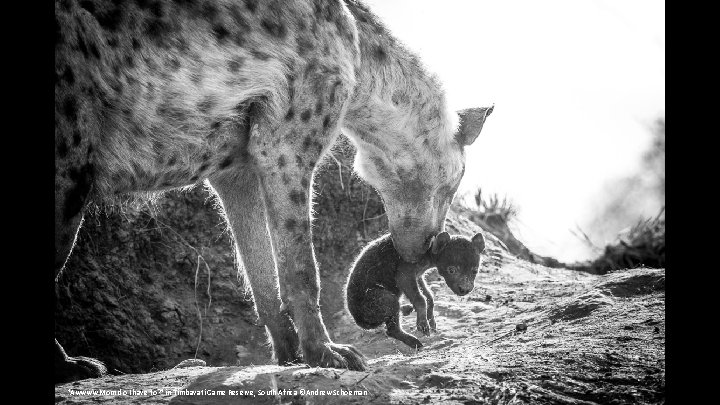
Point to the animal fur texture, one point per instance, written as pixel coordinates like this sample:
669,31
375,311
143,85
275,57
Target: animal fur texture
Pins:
247,95
380,277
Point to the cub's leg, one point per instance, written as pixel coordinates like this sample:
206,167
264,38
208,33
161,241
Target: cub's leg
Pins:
430,303
242,203
373,307
408,283
380,306
394,330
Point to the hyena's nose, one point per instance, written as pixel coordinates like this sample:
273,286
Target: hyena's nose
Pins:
411,246
412,237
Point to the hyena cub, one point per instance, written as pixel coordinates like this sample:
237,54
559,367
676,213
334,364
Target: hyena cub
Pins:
379,277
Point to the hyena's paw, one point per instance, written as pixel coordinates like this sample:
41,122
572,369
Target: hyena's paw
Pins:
335,355
79,368
286,355
285,345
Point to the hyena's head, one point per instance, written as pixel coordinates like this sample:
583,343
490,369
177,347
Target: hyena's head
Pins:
417,177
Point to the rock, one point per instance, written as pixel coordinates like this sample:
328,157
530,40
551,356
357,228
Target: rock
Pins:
191,363
242,351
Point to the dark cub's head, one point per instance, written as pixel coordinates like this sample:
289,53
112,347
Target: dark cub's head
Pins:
457,259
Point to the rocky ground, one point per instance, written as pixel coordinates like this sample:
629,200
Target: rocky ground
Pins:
527,334
146,289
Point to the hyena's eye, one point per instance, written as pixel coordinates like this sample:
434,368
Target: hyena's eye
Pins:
452,270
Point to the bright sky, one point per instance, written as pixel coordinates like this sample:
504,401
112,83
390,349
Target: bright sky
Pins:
576,84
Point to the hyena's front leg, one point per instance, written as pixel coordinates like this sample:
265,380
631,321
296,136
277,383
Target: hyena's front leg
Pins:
241,198
286,157
287,207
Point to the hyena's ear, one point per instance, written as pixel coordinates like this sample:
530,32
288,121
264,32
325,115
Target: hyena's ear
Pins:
478,242
471,123
440,242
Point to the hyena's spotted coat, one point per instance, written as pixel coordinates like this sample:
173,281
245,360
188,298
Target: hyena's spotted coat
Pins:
158,94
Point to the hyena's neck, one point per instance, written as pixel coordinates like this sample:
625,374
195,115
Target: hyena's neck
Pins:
396,100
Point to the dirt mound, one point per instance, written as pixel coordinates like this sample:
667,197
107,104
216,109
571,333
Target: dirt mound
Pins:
142,290
640,281
526,334
145,290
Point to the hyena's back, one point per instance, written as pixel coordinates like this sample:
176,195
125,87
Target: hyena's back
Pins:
155,94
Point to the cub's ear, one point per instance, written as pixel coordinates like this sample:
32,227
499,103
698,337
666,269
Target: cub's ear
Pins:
440,242
471,123
478,242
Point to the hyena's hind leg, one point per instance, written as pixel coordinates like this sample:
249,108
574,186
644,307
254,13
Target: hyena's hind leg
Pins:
242,203
71,195
67,222
72,188
69,369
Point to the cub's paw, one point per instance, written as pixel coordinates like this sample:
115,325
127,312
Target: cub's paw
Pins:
406,309
423,326
335,355
413,342
433,326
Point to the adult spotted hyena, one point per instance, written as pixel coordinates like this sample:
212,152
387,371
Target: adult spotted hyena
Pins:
157,94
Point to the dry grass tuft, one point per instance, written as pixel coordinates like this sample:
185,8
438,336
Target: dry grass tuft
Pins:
643,245
495,206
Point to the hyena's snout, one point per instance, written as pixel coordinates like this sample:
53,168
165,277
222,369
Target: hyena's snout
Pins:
412,243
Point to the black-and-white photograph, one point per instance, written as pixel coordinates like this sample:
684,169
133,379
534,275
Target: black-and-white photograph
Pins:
359,202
